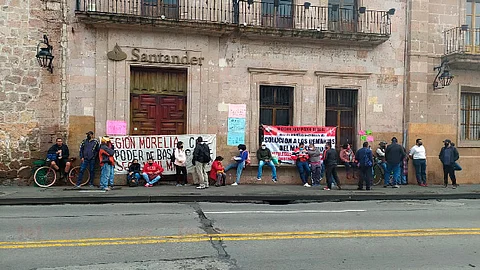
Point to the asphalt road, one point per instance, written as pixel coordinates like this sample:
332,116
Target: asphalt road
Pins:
346,235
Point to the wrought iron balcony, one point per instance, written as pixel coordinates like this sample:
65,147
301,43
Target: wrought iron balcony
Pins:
266,18
462,47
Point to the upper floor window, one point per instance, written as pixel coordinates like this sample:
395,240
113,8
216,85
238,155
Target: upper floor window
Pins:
277,13
342,15
470,116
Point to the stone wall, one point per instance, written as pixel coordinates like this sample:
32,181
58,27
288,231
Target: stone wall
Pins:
29,95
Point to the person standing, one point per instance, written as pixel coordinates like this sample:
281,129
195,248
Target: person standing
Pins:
348,158
394,155
300,156
380,153
330,160
152,172
315,164
419,156
264,156
180,159
88,154
448,156
239,162
107,162
364,157
201,157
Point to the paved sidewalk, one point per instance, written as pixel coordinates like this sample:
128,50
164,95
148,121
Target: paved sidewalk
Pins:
11,195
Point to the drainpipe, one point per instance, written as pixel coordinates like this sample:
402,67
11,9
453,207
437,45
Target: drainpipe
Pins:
63,66
406,68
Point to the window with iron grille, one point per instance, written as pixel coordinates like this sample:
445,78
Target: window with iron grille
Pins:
341,106
470,116
276,106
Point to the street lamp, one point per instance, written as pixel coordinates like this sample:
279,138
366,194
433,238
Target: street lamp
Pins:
44,54
443,78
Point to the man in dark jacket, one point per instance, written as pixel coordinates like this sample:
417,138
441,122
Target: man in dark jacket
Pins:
448,156
58,156
88,153
330,161
264,156
365,161
394,155
201,157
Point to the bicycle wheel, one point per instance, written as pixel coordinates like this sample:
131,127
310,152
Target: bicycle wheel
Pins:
378,174
73,176
45,176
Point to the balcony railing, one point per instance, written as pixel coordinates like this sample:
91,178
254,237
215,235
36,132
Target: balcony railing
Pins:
462,40
271,14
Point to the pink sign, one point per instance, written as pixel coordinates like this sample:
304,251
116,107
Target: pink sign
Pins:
237,110
370,139
116,127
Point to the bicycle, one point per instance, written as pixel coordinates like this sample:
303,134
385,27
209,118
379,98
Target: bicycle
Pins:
46,176
379,174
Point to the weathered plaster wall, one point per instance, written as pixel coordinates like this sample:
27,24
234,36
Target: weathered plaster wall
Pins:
29,95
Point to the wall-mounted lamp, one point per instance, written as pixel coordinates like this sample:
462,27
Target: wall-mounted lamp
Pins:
362,10
464,27
307,5
391,12
44,54
443,78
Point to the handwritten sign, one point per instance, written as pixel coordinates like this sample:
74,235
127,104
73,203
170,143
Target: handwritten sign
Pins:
235,138
362,132
116,127
363,137
237,110
236,124
370,139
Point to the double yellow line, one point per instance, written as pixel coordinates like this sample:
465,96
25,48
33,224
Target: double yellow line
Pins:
192,238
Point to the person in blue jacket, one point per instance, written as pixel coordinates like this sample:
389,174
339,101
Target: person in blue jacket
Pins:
239,162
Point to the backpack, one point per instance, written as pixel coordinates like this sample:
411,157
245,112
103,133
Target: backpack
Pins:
172,156
366,161
204,156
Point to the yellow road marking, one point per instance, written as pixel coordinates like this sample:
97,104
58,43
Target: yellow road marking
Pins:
192,238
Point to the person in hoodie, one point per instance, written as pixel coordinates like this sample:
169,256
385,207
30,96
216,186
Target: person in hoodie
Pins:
300,156
88,153
264,156
217,172
151,172
133,176
448,156
107,162
239,162
347,156
315,164
330,160
394,155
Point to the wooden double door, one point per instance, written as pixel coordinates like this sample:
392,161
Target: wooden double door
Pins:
158,102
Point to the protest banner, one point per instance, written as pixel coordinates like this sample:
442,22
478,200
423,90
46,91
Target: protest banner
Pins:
282,140
158,147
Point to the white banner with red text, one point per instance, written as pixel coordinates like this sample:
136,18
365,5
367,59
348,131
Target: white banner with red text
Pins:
158,147
283,140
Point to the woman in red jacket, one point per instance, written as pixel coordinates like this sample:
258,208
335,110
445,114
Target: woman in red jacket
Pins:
151,172
217,172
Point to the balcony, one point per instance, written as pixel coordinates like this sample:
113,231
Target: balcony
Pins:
462,48
266,19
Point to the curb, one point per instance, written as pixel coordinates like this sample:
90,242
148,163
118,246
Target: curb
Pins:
272,199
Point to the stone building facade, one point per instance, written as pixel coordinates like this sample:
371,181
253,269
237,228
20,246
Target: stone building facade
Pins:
115,61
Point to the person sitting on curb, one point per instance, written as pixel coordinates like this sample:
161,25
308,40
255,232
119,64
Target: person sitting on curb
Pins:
152,172
264,156
217,172
239,162
133,175
300,156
